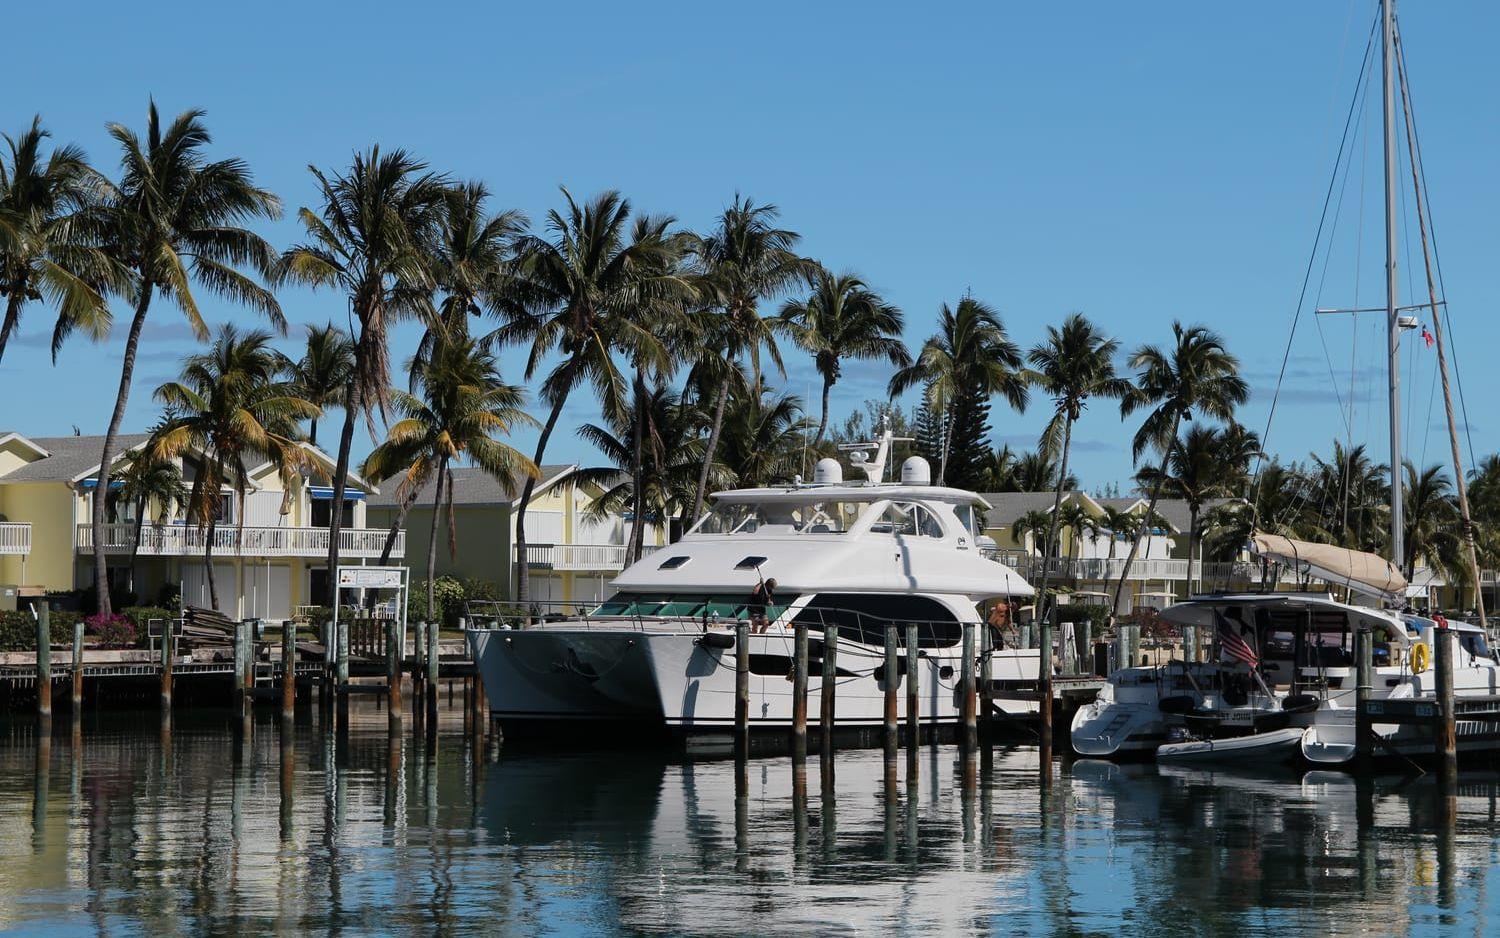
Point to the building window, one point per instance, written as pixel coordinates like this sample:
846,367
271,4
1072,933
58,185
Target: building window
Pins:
322,513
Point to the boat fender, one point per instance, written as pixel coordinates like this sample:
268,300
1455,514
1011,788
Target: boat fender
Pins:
1421,657
1179,703
715,640
1300,703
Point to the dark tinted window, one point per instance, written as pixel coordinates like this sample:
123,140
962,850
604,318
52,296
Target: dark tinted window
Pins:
862,617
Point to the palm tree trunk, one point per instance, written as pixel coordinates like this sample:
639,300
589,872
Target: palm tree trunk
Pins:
352,404
523,570
12,314
437,507
638,471
823,420
312,432
135,544
1048,548
947,441
1135,543
101,480
708,453
401,512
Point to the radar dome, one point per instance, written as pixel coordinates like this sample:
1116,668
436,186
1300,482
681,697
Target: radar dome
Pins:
915,471
828,472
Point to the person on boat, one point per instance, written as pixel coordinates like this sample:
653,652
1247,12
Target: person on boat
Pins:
764,595
999,621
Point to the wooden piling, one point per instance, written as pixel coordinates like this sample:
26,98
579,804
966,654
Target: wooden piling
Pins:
419,669
77,699
892,684
1083,637
970,736
828,688
341,674
166,668
1044,700
741,689
288,670
799,690
986,676
1364,742
44,661
1446,743
913,700
241,653
393,650
431,684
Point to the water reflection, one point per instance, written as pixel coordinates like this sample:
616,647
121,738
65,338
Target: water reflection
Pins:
194,826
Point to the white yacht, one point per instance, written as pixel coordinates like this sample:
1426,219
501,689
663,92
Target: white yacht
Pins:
860,555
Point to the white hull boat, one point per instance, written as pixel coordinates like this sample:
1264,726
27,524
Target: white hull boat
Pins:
1273,748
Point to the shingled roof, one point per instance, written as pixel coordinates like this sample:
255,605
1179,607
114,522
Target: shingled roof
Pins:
69,457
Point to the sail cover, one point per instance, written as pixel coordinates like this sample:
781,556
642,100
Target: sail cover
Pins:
1362,572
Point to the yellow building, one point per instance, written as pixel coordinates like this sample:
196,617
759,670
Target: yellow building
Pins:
269,552
571,557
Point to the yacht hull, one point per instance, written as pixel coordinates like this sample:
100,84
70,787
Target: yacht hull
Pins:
679,682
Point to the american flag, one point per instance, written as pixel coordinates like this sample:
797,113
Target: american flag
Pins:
1232,642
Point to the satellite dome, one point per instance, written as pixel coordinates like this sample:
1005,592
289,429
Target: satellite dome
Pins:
915,471
828,472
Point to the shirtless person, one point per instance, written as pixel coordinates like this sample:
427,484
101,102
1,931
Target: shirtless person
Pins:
764,595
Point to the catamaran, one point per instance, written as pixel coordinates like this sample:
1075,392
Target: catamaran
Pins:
861,555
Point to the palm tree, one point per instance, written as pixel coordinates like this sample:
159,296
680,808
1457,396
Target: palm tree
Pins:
1074,363
471,261
322,374
372,239
231,406
1036,471
1000,475
1432,524
1119,523
173,219
669,471
146,479
764,437
1206,463
745,261
1350,493
970,352
1033,523
843,318
1197,375
43,252
460,409
582,288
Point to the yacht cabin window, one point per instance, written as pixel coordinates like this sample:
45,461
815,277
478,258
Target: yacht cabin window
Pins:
812,518
727,606
907,519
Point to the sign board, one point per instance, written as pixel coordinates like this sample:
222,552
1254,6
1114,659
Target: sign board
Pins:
370,577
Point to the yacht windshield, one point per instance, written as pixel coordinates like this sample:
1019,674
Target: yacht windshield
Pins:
687,605
814,518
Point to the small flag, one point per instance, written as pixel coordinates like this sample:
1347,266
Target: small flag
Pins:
1427,337
1234,644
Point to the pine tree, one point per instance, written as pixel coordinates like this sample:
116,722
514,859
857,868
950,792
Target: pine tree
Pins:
928,430
969,450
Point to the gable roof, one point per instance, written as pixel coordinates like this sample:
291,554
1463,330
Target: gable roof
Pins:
1007,507
69,457
472,487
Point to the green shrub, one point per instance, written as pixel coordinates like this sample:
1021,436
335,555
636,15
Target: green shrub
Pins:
141,615
449,596
1097,613
18,630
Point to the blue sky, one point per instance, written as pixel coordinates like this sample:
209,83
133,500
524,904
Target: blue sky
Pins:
1136,162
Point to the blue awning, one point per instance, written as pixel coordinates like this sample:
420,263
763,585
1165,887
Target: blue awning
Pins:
325,493
93,483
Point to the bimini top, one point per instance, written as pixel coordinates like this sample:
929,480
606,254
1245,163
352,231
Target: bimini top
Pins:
1202,611
1369,574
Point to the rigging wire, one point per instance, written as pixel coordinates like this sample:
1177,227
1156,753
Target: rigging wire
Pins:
1307,273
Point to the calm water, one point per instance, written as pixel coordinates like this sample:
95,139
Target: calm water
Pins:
141,832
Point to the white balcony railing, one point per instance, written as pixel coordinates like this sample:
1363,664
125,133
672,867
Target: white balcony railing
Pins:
180,540
1105,568
580,556
15,539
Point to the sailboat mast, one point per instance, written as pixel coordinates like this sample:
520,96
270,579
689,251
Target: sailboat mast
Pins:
1393,323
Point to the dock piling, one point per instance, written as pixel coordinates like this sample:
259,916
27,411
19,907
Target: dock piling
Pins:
1044,699
288,670
1446,742
1363,739
828,688
913,700
44,662
741,689
966,692
430,685
393,650
892,683
241,693
799,690
419,670
341,674
986,676
166,669
77,700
